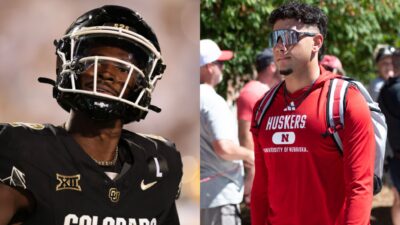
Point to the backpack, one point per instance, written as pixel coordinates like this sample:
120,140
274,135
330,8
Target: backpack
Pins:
335,105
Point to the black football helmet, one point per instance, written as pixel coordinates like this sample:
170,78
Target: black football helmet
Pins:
114,26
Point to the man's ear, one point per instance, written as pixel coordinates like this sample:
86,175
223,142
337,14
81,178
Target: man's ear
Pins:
273,67
318,42
210,68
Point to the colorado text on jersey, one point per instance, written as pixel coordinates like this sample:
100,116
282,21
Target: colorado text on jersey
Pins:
72,219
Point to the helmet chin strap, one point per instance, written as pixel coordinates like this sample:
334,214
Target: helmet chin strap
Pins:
154,108
46,80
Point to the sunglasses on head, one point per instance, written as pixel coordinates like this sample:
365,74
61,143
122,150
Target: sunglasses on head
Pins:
288,37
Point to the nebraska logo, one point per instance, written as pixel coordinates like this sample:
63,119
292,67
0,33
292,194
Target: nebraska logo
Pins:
283,138
68,182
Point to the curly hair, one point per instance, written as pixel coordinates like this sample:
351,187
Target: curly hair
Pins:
307,14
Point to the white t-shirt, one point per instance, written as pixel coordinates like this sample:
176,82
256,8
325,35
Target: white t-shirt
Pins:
221,180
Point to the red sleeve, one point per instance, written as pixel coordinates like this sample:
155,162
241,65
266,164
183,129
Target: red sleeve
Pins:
259,200
358,159
245,104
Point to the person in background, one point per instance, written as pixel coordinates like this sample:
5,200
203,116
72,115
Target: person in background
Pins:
221,165
383,62
250,93
389,102
333,64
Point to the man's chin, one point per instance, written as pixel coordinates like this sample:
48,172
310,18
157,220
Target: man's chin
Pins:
286,72
218,79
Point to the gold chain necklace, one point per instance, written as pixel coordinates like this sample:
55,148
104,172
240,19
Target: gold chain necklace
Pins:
102,163
108,163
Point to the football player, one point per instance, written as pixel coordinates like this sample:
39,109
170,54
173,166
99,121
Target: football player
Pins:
90,171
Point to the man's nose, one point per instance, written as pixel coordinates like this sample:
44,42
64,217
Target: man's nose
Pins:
280,46
104,71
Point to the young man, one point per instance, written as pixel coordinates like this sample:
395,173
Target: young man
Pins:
301,176
333,64
253,91
389,101
90,170
221,170
249,95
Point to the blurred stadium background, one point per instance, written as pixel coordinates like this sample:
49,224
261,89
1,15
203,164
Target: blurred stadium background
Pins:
27,32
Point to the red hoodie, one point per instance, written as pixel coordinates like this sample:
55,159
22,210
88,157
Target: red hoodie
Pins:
301,178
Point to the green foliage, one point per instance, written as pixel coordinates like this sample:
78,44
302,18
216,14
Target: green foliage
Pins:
354,29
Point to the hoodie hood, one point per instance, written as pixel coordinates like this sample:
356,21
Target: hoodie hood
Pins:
325,75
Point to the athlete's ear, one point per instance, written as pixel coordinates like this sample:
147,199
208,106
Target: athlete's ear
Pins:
318,42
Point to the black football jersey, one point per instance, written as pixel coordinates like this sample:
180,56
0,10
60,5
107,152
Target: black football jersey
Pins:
69,188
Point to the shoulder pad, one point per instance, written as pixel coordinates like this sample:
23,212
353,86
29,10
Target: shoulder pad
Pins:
4,136
152,136
34,126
